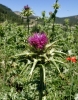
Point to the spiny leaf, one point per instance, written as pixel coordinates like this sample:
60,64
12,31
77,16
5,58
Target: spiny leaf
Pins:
60,52
62,63
33,67
28,62
51,44
55,65
25,53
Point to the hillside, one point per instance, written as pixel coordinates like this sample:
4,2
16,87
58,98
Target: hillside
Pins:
72,19
7,13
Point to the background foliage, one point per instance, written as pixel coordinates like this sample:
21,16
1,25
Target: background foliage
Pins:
14,72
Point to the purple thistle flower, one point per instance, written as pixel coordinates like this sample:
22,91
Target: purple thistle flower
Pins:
50,13
26,7
38,40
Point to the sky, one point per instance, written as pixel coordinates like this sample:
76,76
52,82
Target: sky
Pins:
67,7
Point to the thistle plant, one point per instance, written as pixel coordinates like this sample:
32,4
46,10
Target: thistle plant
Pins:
44,17
27,12
40,54
53,15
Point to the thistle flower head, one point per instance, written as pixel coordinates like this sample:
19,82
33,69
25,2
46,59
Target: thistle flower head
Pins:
38,40
50,13
26,11
26,7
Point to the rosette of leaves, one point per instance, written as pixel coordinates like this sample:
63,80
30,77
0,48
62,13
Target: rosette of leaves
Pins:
40,54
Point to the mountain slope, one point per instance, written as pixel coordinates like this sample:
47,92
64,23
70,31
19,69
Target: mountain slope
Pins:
7,13
72,19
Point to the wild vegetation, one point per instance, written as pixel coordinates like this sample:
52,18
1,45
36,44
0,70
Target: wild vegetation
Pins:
41,62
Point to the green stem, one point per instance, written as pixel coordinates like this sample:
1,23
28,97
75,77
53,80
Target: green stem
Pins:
42,83
28,24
